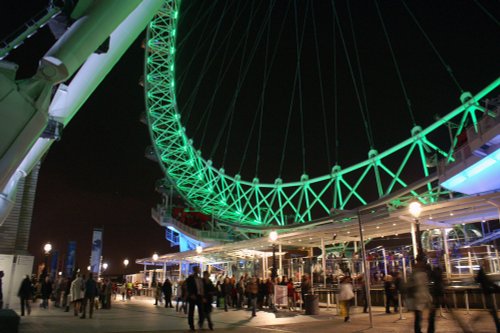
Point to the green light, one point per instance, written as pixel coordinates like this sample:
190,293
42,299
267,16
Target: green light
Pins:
253,202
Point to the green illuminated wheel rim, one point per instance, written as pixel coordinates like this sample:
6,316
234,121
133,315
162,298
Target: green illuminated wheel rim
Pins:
249,203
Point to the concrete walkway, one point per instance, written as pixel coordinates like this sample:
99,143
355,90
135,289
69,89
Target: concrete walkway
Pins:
140,315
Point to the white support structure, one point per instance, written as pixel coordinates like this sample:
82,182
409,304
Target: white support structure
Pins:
69,99
280,260
323,260
414,240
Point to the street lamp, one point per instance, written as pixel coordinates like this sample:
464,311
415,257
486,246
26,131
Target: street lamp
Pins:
104,266
125,263
415,209
46,248
155,258
199,250
273,237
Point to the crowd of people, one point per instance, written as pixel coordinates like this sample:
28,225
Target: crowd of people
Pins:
83,294
198,292
423,291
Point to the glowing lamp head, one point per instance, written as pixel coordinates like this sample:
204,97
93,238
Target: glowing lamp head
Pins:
199,249
105,266
155,256
47,247
273,236
125,262
415,209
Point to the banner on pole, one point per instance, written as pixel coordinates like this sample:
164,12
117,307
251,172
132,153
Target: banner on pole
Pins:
70,259
95,256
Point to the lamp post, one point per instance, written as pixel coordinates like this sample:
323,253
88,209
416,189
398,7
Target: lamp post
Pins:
415,209
273,237
125,263
155,258
199,250
46,248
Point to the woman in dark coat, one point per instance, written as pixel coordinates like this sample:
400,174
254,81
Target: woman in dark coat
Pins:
46,292
26,294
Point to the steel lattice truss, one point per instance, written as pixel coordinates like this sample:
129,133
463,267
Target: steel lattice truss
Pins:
251,203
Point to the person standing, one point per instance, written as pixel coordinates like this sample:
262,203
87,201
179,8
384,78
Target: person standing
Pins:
346,294
77,290
25,294
158,293
1,293
89,296
389,293
226,289
194,284
291,294
167,293
305,288
208,295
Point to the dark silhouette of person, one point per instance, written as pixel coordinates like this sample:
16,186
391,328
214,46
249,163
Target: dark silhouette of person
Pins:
436,289
25,294
1,293
195,292
489,288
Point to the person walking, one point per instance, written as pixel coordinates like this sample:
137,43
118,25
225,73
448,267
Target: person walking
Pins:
489,290
77,290
389,293
195,292
346,294
89,296
418,297
25,294
251,290
208,296
46,292
437,292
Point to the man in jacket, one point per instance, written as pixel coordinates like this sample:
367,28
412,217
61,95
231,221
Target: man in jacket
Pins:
89,296
195,293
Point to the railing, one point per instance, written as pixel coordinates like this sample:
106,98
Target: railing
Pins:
162,215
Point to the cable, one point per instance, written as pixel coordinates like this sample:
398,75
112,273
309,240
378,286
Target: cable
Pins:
358,97
361,81
323,109
446,66
487,13
396,66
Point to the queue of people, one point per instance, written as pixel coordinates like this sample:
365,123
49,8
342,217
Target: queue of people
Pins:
81,293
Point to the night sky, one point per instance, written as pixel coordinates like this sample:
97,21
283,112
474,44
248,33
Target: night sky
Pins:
97,175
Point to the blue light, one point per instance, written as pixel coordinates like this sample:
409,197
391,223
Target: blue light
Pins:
458,179
480,166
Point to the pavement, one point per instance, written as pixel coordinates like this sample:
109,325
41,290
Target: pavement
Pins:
139,315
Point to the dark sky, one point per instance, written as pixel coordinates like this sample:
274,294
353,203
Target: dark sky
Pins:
97,175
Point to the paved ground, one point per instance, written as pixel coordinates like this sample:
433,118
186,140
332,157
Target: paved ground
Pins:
140,315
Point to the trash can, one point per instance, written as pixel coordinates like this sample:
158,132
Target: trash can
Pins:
311,304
